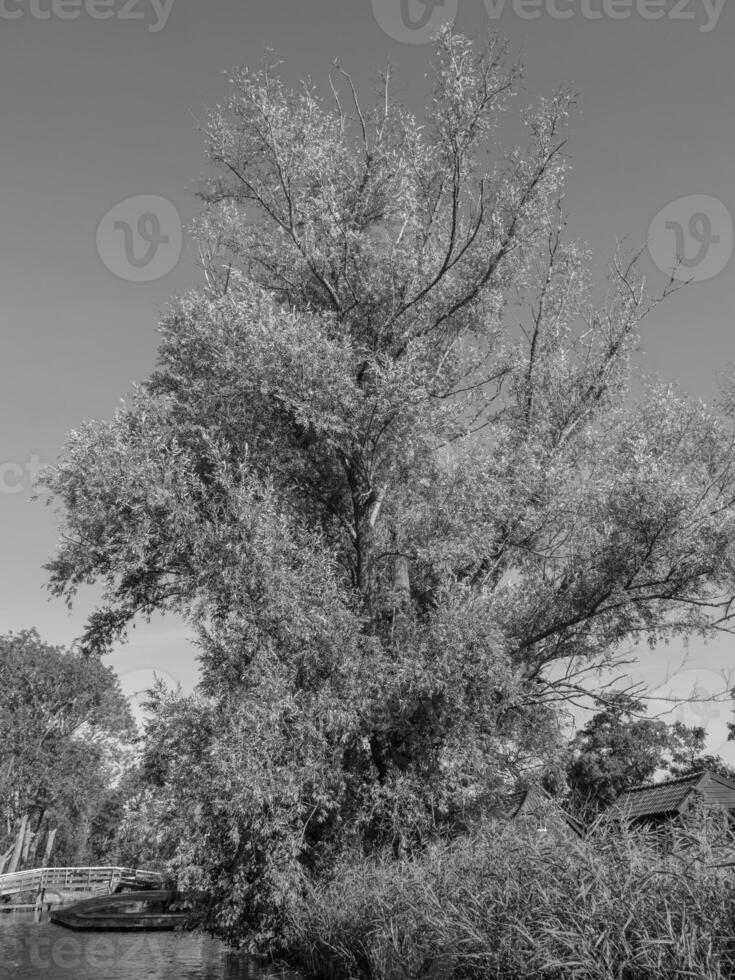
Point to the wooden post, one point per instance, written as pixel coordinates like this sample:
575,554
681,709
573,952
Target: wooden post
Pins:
19,841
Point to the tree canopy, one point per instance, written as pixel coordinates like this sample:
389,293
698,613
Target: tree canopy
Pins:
389,468
63,718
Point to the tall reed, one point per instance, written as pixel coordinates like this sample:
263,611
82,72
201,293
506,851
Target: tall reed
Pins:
510,902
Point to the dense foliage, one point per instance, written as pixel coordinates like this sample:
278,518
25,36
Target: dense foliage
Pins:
505,902
388,469
64,729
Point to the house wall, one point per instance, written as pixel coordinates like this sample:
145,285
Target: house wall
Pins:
715,792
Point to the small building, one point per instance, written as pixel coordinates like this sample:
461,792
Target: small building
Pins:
662,806
655,803
536,809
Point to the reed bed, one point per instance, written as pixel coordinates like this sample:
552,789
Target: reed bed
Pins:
508,902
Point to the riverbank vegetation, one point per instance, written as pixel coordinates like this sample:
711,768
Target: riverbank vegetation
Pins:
506,902
390,470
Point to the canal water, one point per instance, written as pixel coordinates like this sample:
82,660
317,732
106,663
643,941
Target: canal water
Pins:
42,951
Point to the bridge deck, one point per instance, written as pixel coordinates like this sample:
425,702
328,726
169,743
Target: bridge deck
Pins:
88,879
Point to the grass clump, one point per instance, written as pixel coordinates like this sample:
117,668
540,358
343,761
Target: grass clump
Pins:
508,902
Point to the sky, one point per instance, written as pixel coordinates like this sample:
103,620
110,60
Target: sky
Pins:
100,158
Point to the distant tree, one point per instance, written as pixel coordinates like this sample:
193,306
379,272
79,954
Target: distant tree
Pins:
688,765
390,470
685,749
62,716
731,724
615,750
618,749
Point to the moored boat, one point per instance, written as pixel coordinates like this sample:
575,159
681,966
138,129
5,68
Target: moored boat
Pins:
163,909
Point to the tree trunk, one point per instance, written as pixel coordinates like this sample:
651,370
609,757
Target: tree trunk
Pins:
401,580
366,503
4,858
19,841
26,844
49,847
36,839
33,849
82,837
365,545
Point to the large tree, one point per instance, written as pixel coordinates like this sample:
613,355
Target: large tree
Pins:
389,469
64,723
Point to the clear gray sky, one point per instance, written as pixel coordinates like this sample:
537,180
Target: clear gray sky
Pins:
100,100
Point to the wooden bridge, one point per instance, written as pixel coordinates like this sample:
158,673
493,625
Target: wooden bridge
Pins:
61,881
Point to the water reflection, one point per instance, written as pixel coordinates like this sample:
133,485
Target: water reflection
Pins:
41,951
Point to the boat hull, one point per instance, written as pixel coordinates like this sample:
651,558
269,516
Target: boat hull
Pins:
109,914
125,922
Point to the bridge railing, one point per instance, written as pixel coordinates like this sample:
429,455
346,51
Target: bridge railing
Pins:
75,879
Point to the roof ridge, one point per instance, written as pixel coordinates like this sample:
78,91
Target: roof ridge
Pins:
692,777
